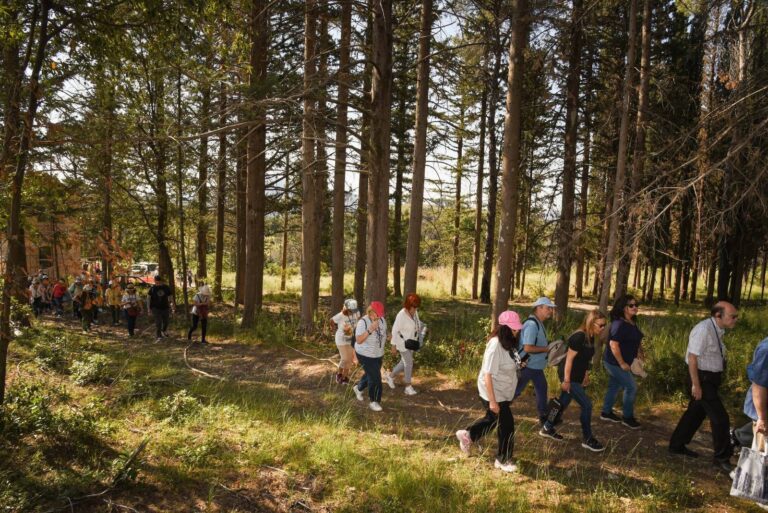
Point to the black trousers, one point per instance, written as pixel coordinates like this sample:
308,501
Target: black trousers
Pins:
203,324
505,424
710,406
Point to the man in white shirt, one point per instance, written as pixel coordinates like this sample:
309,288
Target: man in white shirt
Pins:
706,361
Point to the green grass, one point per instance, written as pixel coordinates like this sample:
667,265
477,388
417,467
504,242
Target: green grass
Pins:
242,444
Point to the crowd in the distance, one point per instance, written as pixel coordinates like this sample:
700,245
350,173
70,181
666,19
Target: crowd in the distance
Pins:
517,352
90,296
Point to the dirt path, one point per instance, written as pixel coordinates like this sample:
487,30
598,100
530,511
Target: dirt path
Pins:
443,405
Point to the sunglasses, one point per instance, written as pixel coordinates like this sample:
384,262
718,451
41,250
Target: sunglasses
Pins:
601,325
633,305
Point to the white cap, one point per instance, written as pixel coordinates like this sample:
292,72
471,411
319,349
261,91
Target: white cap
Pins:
543,301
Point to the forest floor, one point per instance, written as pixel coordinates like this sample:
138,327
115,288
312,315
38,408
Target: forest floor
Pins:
260,425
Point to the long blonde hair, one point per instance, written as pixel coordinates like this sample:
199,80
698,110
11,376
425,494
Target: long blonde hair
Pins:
590,318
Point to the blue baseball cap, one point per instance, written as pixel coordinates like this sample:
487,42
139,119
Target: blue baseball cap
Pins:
543,301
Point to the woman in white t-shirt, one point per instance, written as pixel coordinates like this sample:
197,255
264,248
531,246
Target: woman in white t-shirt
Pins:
370,337
496,385
344,322
405,327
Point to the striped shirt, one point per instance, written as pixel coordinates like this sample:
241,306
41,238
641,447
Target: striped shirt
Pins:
706,342
373,346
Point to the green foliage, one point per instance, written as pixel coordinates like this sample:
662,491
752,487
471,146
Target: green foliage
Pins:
91,369
179,407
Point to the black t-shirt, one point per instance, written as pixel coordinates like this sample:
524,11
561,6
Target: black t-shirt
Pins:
582,362
159,295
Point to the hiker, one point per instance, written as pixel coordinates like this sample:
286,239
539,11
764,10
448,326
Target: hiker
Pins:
370,336
756,400
573,372
706,361
344,323
158,305
405,327
45,293
76,293
132,307
114,297
623,347
533,341
36,297
496,384
98,298
200,309
87,306
57,296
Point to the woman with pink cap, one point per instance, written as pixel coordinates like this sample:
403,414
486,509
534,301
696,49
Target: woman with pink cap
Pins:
370,336
496,384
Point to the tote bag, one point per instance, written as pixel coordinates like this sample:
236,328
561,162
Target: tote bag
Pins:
750,478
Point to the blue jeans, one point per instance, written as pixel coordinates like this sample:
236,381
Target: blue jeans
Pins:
372,376
579,395
539,386
619,379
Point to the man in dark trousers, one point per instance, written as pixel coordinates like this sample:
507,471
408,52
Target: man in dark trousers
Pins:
159,304
705,357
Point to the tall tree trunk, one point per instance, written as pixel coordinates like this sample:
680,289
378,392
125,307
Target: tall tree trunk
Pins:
361,235
339,188
202,185
479,191
13,283
638,159
180,195
378,197
286,218
457,202
310,236
582,276
241,151
566,228
511,148
107,109
401,161
419,150
618,186
762,274
256,164
165,264
221,194
493,176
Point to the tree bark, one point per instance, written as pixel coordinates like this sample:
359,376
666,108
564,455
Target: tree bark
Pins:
566,226
378,198
618,186
180,196
286,218
479,191
638,159
13,283
221,194
241,150
202,185
256,163
493,177
511,154
581,275
340,164
419,150
457,201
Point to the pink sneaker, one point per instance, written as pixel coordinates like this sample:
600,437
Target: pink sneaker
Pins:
465,441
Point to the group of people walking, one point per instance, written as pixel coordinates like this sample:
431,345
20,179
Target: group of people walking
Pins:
89,299
518,352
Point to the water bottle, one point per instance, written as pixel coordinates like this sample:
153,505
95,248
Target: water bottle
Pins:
422,332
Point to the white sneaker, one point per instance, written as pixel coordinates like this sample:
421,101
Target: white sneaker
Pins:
158,339
465,441
409,390
390,381
358,393
375,406
505,467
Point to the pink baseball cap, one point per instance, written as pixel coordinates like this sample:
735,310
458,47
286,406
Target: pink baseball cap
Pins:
510,319
378,307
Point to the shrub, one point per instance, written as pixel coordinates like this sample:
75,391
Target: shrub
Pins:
179,406
92,369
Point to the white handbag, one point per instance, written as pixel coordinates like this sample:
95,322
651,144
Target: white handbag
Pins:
751,474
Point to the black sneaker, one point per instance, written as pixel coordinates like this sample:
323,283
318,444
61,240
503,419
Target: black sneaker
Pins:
683,451
610,417
630,422
550,433
593,445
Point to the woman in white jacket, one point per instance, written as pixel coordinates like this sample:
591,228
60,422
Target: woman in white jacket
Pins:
406,327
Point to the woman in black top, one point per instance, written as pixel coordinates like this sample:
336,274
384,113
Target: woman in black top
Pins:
574,376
